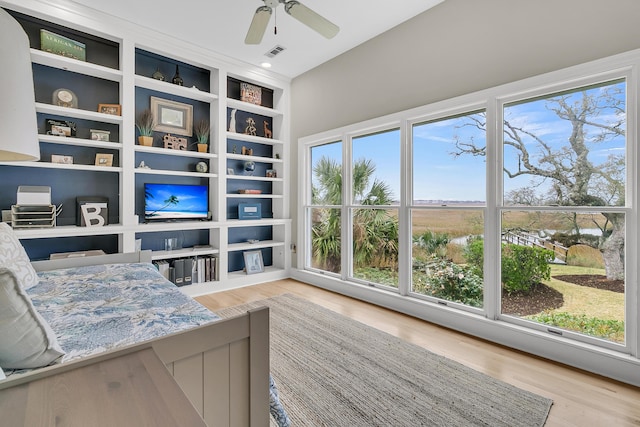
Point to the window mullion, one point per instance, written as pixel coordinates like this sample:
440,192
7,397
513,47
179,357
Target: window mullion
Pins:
492,210
347,212
404,214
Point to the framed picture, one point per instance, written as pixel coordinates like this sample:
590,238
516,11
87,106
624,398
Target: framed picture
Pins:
249,211
172,117
250,93
114,109
103,159
65,160
271,173
253,262
100,135
60,127
230,171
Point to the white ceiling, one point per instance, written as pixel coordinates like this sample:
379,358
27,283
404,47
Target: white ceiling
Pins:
221,26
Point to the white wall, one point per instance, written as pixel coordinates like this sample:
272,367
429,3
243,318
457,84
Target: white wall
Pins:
458,47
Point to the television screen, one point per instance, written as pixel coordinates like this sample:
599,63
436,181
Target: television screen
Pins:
175,201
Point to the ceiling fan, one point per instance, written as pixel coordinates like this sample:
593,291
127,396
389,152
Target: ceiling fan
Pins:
294,8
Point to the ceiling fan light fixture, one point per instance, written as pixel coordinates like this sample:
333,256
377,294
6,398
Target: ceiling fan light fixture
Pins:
311,19
258,25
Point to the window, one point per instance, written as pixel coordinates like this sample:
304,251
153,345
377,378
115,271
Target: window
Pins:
375,176
447,220
324,215
513,204
564,158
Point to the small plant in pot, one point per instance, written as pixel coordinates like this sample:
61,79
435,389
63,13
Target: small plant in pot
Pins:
145,124
201,130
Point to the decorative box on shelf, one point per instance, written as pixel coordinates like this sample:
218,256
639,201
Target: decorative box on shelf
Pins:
249,211
33,216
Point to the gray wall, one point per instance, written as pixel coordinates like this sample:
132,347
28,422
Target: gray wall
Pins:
457,47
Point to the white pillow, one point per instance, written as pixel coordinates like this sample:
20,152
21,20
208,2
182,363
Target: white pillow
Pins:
26,339
13,256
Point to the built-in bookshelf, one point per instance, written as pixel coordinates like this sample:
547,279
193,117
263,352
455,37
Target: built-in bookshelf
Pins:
89,148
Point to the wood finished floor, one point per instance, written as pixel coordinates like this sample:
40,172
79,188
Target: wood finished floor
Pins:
580,398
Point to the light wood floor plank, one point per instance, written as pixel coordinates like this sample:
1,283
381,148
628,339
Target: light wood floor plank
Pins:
580,398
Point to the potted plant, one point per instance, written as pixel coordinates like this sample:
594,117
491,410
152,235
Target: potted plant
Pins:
145,124
201,130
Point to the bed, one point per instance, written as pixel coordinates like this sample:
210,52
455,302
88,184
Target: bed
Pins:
222,366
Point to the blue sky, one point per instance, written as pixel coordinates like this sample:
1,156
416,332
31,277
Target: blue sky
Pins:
438,175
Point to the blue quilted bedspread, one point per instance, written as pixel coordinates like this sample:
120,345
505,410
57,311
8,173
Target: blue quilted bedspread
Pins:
97,308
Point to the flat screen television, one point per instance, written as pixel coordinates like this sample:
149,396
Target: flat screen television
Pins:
171,202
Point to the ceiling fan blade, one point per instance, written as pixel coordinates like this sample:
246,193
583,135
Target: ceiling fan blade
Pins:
258,25
311,19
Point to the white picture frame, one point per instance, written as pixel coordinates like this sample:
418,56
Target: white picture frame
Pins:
253,262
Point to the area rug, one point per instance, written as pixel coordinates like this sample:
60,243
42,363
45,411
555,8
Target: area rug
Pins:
333,371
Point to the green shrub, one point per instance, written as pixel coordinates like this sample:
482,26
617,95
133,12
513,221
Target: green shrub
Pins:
433,243
524,266
451,282
608,329
474,254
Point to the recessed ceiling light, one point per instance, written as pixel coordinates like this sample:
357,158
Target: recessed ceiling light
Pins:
266,65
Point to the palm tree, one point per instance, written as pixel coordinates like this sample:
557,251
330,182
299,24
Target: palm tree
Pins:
375,231
171,200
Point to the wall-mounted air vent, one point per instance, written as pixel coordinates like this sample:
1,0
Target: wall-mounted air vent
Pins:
273,52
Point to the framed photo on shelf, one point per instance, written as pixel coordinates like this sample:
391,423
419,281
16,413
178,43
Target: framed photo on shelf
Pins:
113,109
172,117
253,262
231,171
103,159
100,135
250,93
271,173
60,127
64,160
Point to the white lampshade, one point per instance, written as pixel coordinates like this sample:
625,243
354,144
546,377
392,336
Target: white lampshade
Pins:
18,124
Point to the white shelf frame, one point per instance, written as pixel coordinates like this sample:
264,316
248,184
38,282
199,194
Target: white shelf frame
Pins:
77,113
130,37
170,88
73,65
79,142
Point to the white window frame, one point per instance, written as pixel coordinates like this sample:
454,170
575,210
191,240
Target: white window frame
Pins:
500,329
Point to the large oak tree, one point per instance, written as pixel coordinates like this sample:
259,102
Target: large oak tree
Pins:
567,170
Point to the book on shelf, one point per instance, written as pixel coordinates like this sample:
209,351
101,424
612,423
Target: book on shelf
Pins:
178,265
163,268
188,268
201,269
172,275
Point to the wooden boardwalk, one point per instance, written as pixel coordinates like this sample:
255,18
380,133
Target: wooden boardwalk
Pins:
523,238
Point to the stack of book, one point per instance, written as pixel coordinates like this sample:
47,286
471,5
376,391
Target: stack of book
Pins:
186,271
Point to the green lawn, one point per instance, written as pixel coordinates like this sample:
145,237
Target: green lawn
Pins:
581,300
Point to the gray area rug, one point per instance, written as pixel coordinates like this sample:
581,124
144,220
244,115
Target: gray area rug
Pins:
334,371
